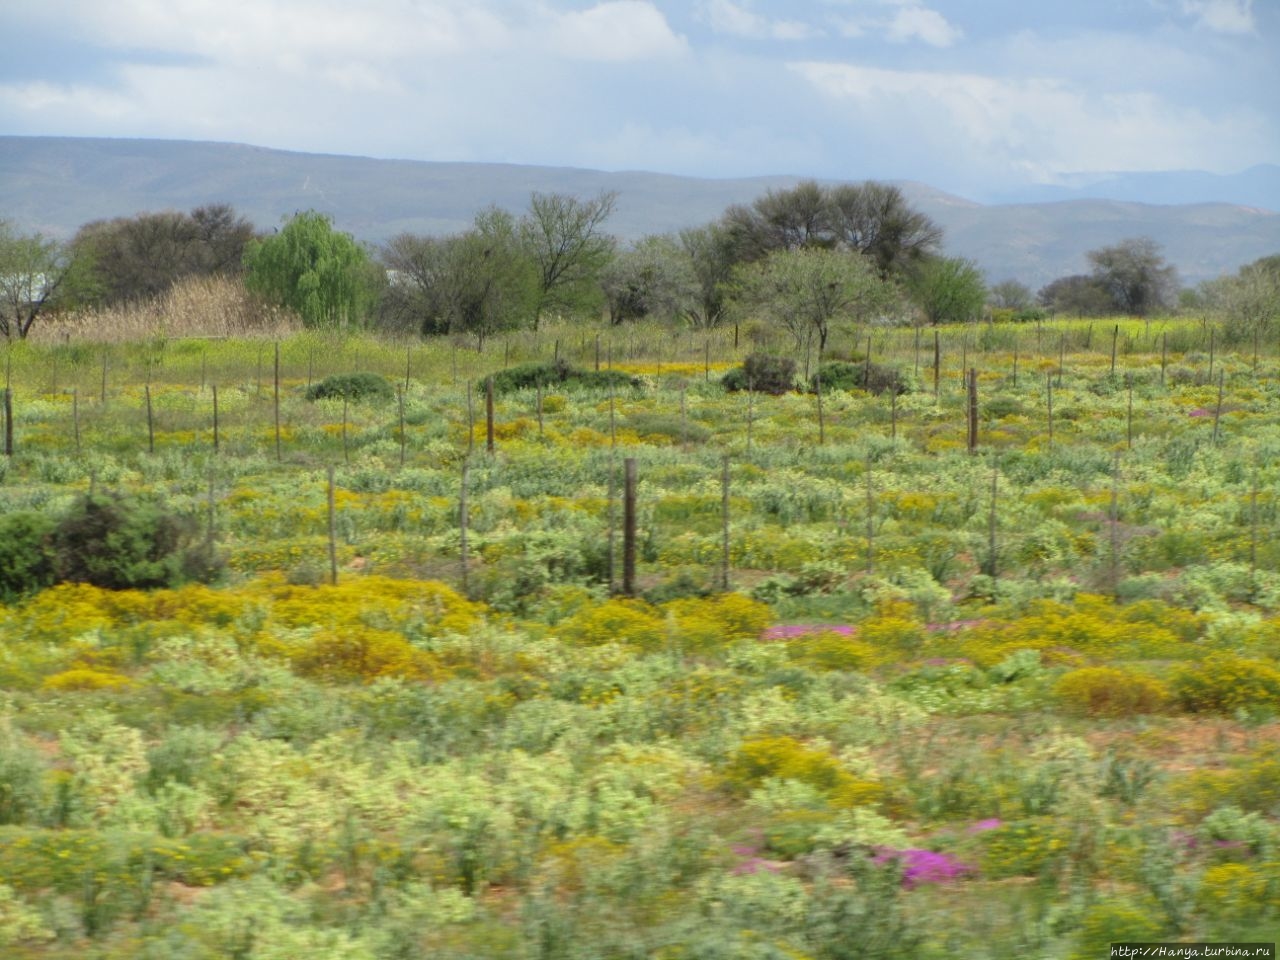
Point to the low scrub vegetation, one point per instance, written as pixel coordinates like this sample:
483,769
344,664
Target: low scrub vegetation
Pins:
877,690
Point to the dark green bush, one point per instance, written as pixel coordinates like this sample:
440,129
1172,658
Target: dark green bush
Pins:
871,377
118,542
352,386
763,374
558,373
26,558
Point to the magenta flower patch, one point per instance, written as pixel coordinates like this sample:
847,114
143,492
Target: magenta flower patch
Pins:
924,866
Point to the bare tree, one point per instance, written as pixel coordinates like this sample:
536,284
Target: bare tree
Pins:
653,278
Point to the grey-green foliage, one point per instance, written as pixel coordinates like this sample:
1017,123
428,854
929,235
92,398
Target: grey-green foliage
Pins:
805,291
321,273
21,778
33,273
652,279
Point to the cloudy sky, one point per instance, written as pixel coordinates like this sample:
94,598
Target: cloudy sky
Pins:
973,96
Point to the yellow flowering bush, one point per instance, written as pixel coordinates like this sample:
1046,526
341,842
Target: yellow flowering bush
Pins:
363,654
1022,848
1225,683
85,678
1239,891
1110,692
894,626
707,624
616,621
829,650
785,758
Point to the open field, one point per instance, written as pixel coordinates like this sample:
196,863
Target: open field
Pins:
1014,701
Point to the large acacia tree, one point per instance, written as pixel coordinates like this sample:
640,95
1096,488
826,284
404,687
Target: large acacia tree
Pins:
135,258
872,219
1135,276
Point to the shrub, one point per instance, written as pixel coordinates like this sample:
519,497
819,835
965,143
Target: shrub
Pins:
871,377
119,542
706,624
85,678
616,621
26,558
21,778
528,376
666,426
351,386
764,374
1116,921
785,758
363,654
1110,692
1226,683
829,650
1235,891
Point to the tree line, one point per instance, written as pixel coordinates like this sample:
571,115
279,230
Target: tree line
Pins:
799,259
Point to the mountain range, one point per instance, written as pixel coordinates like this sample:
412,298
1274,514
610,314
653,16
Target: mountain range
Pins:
56,184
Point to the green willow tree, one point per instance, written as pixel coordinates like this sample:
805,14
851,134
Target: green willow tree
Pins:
321,273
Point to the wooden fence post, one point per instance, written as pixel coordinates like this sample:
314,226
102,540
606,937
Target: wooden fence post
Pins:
488,413
1049,386
333,532
275,397
724,525
151,427
463,521
973,410
8,421
629,526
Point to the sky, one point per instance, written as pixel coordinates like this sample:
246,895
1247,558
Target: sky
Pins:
976,97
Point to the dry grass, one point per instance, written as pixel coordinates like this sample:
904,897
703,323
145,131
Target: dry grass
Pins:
196,307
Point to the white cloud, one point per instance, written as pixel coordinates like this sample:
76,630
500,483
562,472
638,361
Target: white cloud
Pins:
726,17
914,22
909,20
1221,16
1040,127
617,30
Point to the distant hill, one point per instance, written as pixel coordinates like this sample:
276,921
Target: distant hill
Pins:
55,185
1258,186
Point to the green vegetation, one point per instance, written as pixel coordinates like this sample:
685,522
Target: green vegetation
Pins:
912,665
978,703
352,386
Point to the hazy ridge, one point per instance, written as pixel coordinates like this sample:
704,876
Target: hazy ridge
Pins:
55,184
